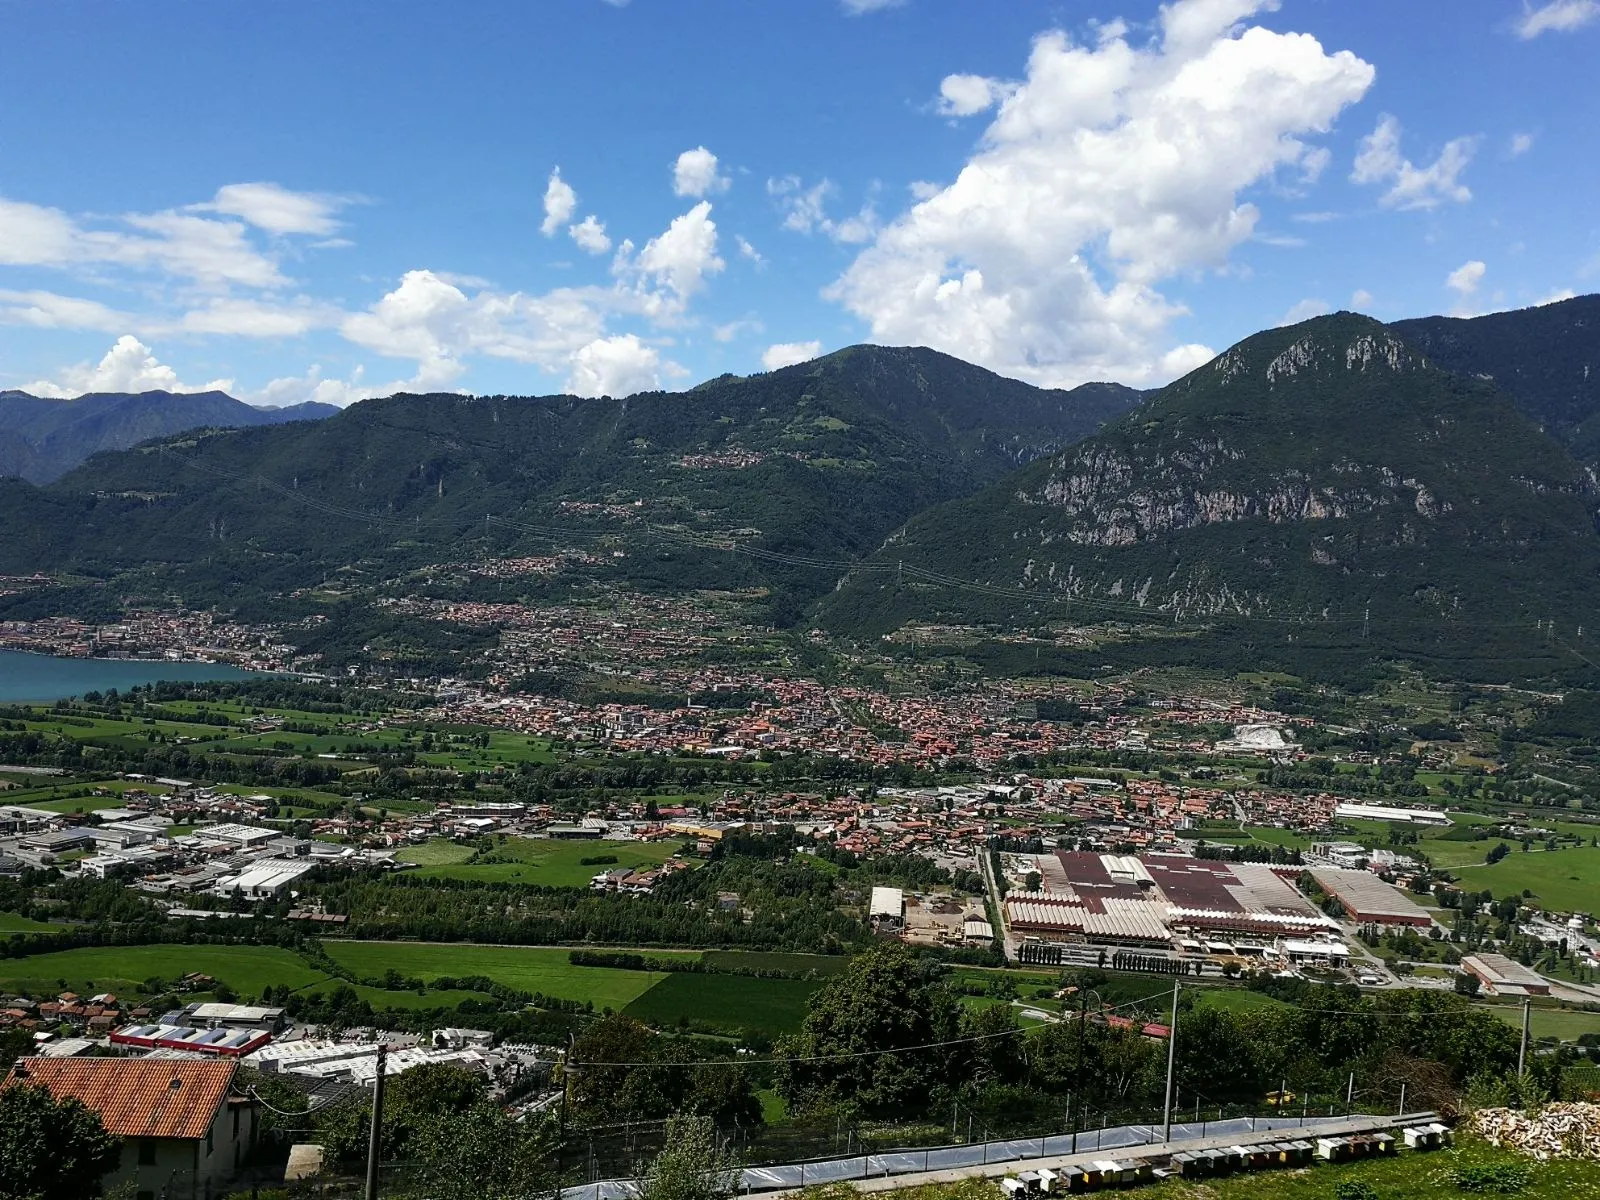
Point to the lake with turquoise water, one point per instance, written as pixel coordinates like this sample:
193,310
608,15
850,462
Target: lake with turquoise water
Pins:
42,677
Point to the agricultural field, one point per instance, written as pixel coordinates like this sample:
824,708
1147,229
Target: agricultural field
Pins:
248,970
547,863
769,1006
1565,880
546,970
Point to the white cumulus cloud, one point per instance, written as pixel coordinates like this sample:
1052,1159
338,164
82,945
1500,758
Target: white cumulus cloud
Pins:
1520,144
1464,280
1556,16
964,95
590,235
1379,161
560,202
681,257
1110,168
129,366
437,324
695,174
787,354
615,366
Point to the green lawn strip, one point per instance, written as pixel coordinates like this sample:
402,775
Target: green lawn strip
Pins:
550,863
732,1002
527,968
12,923
248,970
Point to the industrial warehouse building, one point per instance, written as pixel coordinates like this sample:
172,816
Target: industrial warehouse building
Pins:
1502,976
1162,901
1368,900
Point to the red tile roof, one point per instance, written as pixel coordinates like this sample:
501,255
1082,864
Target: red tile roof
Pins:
136,1097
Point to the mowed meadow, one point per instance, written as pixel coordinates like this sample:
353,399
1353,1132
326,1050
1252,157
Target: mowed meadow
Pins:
711,999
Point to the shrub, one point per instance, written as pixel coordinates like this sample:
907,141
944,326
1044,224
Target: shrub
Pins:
1500,1179
1354,1189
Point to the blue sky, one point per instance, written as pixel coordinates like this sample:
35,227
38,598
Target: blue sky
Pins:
308,200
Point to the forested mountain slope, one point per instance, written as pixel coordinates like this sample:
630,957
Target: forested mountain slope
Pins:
43,439
1323,481
819,461
1547,359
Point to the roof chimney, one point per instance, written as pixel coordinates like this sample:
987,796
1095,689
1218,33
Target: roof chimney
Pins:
175,1084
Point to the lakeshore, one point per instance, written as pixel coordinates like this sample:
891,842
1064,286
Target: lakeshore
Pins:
44,677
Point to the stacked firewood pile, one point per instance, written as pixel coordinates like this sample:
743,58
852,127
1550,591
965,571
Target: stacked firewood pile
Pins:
1554,1131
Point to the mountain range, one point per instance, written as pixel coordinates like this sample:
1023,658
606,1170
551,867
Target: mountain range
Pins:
42,439
816,462
1338,490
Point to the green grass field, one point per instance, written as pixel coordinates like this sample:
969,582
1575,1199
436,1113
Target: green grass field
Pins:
979,1003
1566,1024
1233,999
1404,1176
530,969
549,863
13,923
1561,880
249,970
770,1006
382,998
435,852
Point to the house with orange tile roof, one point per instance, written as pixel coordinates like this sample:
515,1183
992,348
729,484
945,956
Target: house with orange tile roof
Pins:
184,1129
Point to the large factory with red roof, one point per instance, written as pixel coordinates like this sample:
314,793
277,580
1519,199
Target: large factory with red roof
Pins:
1166,902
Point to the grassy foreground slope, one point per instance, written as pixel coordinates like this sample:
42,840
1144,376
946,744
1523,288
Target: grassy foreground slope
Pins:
1403,1177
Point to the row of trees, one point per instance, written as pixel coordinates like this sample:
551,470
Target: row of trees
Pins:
888,1037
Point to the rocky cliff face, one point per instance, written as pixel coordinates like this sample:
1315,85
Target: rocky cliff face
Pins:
1300,474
